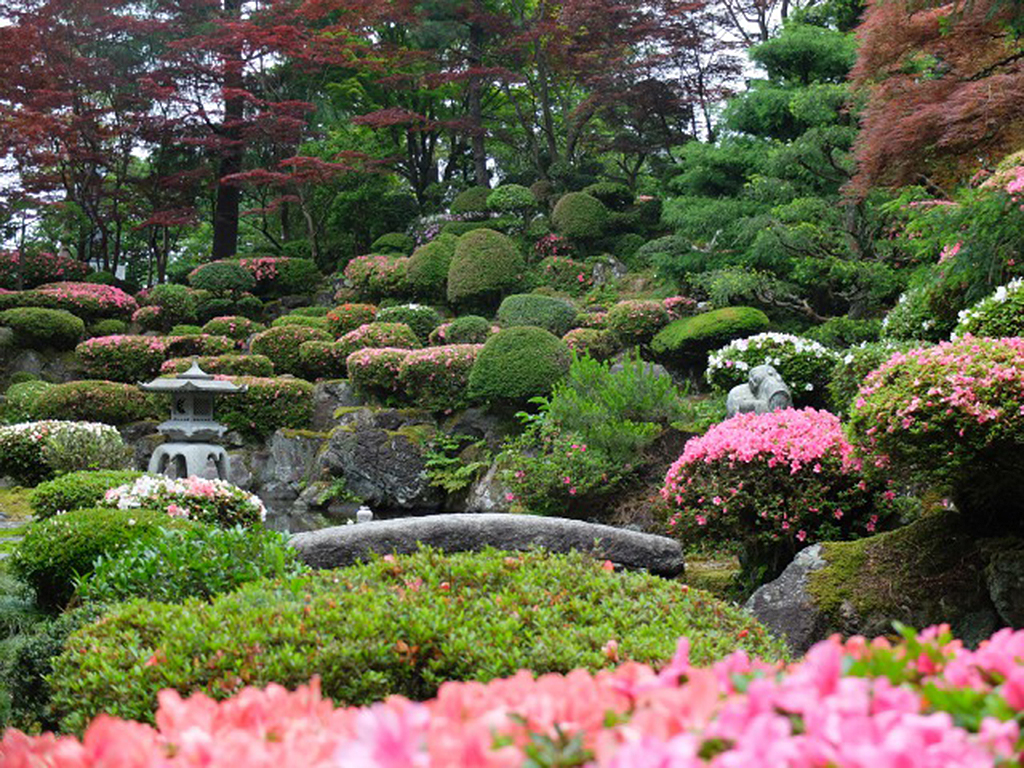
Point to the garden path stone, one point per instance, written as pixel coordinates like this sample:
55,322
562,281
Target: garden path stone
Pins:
347,544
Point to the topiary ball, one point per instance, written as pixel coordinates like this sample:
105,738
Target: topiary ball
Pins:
471,201
486,265
397,243
551,314
580,216
517,364
38,328
686,342
427,271
222,277
468,329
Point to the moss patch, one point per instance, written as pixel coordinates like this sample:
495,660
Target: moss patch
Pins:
14,503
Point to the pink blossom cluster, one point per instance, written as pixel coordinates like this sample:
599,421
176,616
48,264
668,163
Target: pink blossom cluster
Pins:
948,252
380,335
680,306
437,377
592,320
147,317
828,709
214,501
553,245
233,326
91,298
375,369
39,267
377,274
637,320
122,340
566,274
263,268
348,317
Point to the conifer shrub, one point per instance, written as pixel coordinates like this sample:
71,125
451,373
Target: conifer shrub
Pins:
437,378
76,490
374,371
419,317
281,345
486,265
122,357
517,364
551,314
388,627
231,365
348,317
397,243
222,277
580,216
637,321
427,272
688,341
615,196
39,328
235,327
267,404
108,402
467,329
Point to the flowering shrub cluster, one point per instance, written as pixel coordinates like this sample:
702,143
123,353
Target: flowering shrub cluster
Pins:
950,414
466,329
38,268
122,357
281,345
216,502
599,344
377,275
232,365
419,317
348,317
438,377
636,322
148,318
553,245
24,447
197,344
282,276
680,306
564,274
374,370
233,326
912,318
109,402
323,359
999,314
88,300
178,304
598,319
775,481
926,701
804,365
853,367
222,277
379,335
266,405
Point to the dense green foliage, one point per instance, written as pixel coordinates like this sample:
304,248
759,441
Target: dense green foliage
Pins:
38,328
110,402
689,339
281,345
517,364
551,314
427,272
420,318
76,490
578,215
266,406
486,264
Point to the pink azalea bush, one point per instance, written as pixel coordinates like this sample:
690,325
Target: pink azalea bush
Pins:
37,268
122,357
88,300
598,320
197,344
375,370
232,365
378,275
233,326
282,275
379,335
636,321
950,414
323,359
347,317
266,405
777,481
216,502
281,345
679,306
438,377
926,702
564,274
599,344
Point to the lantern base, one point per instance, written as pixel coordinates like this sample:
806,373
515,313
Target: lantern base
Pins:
186,459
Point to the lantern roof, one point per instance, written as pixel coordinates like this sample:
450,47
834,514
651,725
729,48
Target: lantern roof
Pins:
195,379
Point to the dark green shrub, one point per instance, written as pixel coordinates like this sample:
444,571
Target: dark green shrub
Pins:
323,359
636,322
396,243
281,276
486,265
317,311
420,318
306,320
555,315
233,326
580,216
215,306
229,365
427,272
222,277
517,364
57,551
21,400
843,332
76,490
598,344
177,304
471,201
266,406
101,277
468,329
122,358
512,198
109,402
663,253
617,197
201,561
186,330
564,274
501,224
369,633
348,317
250,307
542,191
626,247
38,328
688,340
109,327
281,345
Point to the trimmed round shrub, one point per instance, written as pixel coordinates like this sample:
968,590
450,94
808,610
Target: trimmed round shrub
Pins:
486,265
592,319
636,322
804,365
374,370
598,344
564,274
38,328
842,332
230,365
317,311
396,243
389,627
777,482
950,415
233,326
378,276
580,216
22,399
38,268
688,341
468,329
511,198
266,406
278,276
616,196
323,359
306,320
109,402
397,335
1000,314
516,364
250,307
109,327
281,345
214,502
471,201
216,306
177,304
203,344
87,301
853,367
199,561
34,451
427,271
76,490
420,318
58,551
437,378
148,318
122,358
348,317
186,330
222,277
555,315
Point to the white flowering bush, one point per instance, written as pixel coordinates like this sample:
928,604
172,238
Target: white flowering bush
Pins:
217,502
912,318
34,451
804,364
998,315
854,366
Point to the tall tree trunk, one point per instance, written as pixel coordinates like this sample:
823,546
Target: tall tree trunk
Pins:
226,207
476,114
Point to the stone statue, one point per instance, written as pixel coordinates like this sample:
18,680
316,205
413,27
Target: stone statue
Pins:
764,391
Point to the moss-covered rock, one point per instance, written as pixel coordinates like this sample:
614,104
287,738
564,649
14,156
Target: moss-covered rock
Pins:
687,341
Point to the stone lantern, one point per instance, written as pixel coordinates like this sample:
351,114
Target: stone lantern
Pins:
191,428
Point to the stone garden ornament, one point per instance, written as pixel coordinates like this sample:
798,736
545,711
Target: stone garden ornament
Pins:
764,391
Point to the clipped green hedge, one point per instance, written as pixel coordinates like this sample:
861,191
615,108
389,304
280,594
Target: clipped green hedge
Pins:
579,215
222,277
486,265
401,625
419,317
281,345
551,314
397,243
76,490
688,340
517,364
427,272
268,404
38,328
109,402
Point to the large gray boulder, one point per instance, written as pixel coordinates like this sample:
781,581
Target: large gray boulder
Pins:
328,397
786,607
348,544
